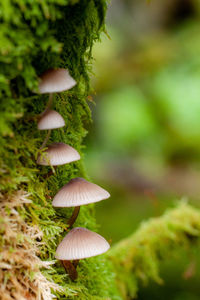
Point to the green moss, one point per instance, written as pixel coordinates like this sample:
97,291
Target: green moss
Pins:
138,258
35,36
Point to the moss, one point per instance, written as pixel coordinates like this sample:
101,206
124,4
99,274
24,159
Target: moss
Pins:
20,274
138,258
35,36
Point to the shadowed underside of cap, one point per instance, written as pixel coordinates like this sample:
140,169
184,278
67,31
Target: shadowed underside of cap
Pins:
79,191
81,243
50,119
58,154
55,81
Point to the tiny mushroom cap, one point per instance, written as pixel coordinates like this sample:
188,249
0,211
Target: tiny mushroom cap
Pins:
58,154
81,243
50,119
55,81
79,191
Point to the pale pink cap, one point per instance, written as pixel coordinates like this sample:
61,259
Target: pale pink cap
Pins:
55,81
79,191
81,243
58,154
50,119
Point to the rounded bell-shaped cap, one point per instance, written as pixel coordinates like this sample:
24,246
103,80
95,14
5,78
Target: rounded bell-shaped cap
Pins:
79,191
81,243
50,119
58,154
55,81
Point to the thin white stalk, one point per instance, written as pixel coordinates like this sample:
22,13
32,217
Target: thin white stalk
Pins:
46,139
49,103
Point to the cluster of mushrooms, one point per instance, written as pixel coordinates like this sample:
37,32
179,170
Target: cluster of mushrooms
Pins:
80,242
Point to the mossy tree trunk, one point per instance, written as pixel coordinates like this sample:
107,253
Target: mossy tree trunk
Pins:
36,36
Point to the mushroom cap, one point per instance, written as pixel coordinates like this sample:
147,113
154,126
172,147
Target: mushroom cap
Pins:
79,191
58,154
81,243
50,119
55,81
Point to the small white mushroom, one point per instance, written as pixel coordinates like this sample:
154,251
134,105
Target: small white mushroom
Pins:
50,119
58,154
76,192
55,81
81,243
79,191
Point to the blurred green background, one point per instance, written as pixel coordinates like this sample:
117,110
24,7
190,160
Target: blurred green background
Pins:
144,143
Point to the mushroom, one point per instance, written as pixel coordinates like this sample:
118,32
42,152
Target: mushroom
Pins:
76,192
50,119
58,154
78,244
55,81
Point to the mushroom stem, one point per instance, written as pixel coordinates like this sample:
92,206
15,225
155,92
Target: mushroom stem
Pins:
70,269
75,263
46,139
49,103
74,216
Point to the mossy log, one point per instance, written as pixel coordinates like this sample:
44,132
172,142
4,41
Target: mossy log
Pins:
138,258
36,36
